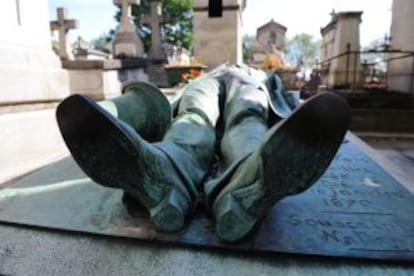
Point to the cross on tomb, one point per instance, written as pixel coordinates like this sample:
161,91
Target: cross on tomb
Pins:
63,25
154,19
126,10
127,42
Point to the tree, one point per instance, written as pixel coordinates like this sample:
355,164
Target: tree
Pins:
303,51
177,30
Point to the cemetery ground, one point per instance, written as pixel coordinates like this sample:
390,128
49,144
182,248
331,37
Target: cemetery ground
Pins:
26,250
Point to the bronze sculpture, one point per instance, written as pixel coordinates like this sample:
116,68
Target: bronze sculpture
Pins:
236,141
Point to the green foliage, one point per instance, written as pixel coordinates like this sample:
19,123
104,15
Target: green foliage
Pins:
179,26
303,50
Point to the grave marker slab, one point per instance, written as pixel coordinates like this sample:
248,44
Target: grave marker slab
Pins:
356,209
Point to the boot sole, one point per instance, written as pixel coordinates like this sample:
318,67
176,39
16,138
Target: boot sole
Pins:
293,156
107,153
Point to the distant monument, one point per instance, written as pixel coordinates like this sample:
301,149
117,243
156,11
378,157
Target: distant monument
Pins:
343,30
218,39
271,33
270,40
127,43
400,70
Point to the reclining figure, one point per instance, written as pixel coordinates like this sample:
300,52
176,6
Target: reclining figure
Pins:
236,142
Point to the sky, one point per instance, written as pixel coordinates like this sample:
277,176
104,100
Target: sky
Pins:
299,16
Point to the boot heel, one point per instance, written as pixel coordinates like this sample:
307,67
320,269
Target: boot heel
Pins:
169,215
232,222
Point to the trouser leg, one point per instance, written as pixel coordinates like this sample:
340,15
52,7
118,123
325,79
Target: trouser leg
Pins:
245,116
191,138
263,167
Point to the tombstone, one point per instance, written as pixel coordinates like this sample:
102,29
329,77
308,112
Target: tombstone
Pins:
127,43
63,25
343,30
401,70
218,39
154,20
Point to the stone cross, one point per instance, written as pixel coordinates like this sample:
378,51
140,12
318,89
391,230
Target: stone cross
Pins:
125,12
127,43
63,25
155,19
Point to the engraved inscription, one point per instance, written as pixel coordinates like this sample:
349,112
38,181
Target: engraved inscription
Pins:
358,230
356,207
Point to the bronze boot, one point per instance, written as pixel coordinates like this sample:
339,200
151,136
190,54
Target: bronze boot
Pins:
142,106
291,157
161,176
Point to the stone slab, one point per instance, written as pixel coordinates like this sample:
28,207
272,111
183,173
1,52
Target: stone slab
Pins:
29,140
355,210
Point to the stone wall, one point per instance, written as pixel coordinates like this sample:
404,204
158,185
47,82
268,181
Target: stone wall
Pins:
29,69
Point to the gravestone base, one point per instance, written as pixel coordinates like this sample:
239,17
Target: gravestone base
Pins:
103,79
128,45
158,75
